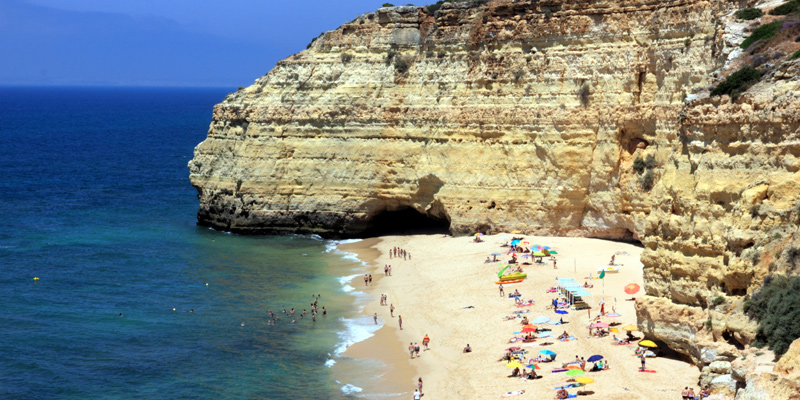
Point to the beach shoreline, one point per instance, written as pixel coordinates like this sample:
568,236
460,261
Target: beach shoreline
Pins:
447,291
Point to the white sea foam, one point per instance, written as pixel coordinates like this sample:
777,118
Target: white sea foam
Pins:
330,363
351,389
355,330
333,244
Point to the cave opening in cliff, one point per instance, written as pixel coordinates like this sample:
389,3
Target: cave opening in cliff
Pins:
405,221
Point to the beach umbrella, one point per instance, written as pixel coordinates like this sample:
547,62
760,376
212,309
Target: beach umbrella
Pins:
515,242
538,254
525,255
613,315
600,325
552,252
554,322
479,234
547,352
584,380
561,312
514,364
546,334
647,343
495,254
614,330
533,366
631,288
575,372
541,320
528,329
594,358
526,242
630,328
547,247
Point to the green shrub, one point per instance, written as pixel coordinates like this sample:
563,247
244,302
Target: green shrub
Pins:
648,179
749,13
737,82
436,6
387,5
709,325
649,162
765,31
638,165
718,300
518,74
401,64
795,55
346,58
583,94
754,210
774,305
390,56
786,8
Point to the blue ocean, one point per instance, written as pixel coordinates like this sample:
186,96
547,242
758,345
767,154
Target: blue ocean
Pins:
133,299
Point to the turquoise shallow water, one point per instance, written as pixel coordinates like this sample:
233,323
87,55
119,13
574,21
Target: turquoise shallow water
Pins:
97,204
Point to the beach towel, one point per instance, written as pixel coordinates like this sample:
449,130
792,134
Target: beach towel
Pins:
569,386
559,370
514,393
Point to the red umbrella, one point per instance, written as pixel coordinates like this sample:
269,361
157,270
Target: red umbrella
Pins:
631,288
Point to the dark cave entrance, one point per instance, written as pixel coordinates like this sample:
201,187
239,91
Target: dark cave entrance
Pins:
405,221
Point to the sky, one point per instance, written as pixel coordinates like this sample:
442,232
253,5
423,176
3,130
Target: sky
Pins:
160,42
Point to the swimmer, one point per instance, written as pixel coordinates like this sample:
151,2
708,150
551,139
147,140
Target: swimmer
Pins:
242,323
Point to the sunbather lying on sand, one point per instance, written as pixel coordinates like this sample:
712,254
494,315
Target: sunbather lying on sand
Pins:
562,394
563,336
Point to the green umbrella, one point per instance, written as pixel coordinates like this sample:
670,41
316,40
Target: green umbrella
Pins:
538,254
552,252
575,372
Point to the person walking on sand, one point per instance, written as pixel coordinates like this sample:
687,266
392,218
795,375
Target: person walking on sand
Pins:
416,349
370,279
411,350
425,341
375,317
417,394
419,384
391,310
501,291
554,263
400,321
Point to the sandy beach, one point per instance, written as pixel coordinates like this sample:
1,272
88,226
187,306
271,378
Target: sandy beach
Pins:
447,291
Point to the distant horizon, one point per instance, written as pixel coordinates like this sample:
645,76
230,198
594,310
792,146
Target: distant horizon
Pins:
149,43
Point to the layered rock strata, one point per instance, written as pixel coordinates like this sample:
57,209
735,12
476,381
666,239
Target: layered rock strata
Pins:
510,115
530,115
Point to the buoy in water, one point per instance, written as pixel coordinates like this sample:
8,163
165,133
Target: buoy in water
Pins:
206,283
35,278
173,309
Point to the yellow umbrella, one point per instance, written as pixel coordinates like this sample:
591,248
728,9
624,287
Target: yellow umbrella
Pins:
514,364
613,330
630,327
584,380
647,343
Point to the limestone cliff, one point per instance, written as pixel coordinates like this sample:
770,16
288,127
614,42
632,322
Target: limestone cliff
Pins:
537,116
500,116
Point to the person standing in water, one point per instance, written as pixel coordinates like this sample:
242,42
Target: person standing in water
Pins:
375,318
400,321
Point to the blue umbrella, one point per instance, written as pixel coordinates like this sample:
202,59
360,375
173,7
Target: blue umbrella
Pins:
547,352
546,334
494,254
540,320
595,358
514,242
561,312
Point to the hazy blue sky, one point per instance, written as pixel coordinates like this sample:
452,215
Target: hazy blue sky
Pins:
160,42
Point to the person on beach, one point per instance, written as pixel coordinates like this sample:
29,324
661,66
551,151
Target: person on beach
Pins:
375,317
411,350
391,310
685,393
417,394
292,310
554,263
416,349
370,279
366,280
562,394
467,349
425,342
501,291
419,384
691,394
324,311
385,270
400,321
390,270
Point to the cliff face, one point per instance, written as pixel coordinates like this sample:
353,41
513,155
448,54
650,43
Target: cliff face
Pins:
510,115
